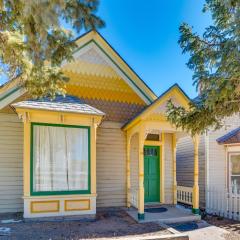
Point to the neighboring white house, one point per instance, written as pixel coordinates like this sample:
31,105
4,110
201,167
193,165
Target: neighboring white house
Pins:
219,167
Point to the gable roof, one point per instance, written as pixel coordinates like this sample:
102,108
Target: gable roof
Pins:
231,137
163,97
68,103
91,39
112,57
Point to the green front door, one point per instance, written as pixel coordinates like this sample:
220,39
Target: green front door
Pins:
152,173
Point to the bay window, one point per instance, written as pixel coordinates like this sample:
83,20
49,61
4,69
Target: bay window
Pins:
59,159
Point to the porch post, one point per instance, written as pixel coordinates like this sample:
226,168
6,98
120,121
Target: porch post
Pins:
128,172
174,151
141,174
162,169
195,208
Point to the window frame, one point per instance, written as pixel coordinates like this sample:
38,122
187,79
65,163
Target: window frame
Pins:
70,192
231,153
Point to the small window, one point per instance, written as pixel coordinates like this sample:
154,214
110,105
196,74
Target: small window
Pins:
150,151
234,172
153,137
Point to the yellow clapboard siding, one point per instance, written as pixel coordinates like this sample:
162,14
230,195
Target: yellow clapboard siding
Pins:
100,87
99,82
86,68
103,94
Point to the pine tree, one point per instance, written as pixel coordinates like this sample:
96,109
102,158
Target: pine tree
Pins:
215,61
34,41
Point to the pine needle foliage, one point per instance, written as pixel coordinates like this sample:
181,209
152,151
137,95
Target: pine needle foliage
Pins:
34,42
215,62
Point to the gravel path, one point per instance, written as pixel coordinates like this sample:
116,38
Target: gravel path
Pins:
108,224
233,227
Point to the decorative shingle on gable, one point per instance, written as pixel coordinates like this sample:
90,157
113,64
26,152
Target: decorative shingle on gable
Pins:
100,77
92,56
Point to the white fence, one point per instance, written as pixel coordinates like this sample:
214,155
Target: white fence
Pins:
223,203
184,194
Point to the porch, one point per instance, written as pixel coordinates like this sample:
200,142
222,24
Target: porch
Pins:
165,214
150,182
151,158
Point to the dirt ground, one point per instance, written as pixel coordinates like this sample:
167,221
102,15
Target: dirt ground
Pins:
230,225
108,224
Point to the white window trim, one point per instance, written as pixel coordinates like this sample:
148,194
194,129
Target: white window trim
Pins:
229,175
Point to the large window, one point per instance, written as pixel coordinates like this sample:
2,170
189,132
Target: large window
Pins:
60,159
234,172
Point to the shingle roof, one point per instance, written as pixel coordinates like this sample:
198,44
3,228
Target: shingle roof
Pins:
231,137
60,104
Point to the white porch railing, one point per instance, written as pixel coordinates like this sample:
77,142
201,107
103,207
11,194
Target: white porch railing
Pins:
184,194
134,197
223,203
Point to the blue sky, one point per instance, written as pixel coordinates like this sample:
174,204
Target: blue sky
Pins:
145,34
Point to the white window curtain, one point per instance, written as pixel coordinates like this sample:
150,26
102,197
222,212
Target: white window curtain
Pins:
60,158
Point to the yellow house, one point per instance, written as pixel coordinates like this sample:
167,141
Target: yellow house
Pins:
107,143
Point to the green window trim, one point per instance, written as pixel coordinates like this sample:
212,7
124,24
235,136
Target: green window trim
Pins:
9,93
47,193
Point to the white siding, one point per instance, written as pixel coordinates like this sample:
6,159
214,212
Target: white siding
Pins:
11,163
217,170
111,166
217,159
185,162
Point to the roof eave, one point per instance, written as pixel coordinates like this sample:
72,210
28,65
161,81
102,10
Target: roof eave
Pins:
132,122
57,111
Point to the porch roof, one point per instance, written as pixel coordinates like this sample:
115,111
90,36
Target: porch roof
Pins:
175,92
68,103
231,137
